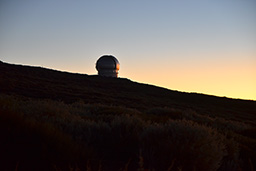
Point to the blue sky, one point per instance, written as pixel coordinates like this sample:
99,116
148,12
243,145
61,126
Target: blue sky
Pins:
205,46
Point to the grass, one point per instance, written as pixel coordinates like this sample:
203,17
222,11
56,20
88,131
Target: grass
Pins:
51,133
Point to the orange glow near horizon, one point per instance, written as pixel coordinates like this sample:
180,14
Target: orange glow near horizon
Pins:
234,80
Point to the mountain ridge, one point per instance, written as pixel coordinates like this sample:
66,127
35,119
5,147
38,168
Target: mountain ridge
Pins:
39,82
123,78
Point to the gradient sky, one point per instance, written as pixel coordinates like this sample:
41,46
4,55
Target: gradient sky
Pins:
204,46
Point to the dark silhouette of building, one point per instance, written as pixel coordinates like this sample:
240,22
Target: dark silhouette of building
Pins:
107,66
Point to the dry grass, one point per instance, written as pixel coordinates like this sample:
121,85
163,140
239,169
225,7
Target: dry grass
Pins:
48,135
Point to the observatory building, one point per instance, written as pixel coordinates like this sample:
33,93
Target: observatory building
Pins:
107,66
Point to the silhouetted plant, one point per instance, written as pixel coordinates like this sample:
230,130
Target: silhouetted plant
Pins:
192,146
163,138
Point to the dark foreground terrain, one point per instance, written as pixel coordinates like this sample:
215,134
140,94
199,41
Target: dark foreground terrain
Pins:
52,120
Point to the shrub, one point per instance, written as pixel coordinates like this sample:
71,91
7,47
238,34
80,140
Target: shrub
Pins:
187,144
120,137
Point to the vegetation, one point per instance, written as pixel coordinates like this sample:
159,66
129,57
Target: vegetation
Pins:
58,122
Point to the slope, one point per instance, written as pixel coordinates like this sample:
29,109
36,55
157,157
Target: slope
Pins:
42,83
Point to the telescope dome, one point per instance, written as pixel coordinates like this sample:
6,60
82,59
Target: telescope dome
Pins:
107,66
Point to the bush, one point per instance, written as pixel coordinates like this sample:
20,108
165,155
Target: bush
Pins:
47,132
183,144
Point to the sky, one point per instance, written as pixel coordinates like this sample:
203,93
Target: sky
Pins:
203,46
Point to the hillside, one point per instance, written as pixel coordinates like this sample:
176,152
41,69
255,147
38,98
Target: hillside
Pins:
41,83
49,105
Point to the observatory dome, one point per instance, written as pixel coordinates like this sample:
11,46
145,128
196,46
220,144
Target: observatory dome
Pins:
107,66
